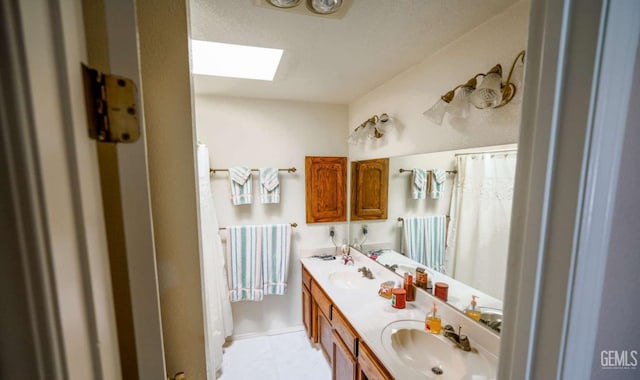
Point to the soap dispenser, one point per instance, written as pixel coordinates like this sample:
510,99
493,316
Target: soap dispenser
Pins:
471,310
433,323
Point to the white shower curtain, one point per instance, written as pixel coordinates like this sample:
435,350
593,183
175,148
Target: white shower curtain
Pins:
217,315
480,219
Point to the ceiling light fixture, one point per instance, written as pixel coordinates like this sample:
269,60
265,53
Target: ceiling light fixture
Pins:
373,128
234,61
491,93
323,7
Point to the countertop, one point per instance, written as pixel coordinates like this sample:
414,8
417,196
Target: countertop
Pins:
369,313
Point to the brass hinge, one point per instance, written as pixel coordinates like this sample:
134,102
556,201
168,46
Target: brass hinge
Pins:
112,111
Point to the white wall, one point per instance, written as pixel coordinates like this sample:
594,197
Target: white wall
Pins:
409,94
266,133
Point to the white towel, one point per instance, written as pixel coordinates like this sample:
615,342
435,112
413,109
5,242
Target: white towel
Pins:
244,263
276,244
437,177
269,185
419,184
240,180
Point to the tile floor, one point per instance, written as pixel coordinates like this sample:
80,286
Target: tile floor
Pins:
288,356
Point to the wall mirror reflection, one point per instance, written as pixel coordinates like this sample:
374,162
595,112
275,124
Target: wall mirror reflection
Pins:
449,212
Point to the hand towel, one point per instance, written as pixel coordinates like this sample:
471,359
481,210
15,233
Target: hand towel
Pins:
437,177
240,179
419,184
424,240
435,233
269,185
415,239
276,244
244,263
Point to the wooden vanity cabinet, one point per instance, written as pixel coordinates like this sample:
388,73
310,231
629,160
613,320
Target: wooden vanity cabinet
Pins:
349,358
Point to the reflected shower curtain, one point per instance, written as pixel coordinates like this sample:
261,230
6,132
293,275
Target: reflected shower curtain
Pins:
217,315
480,219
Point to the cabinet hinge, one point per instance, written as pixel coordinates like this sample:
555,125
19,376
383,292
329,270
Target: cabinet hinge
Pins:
112,111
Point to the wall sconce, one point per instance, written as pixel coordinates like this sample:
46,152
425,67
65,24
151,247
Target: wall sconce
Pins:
373,128
323,7
491,93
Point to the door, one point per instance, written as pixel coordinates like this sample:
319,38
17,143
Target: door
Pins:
344,365
55,204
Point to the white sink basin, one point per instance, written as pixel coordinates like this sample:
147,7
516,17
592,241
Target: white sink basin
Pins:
347,280
433,356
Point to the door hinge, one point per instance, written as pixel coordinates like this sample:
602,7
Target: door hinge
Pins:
112,110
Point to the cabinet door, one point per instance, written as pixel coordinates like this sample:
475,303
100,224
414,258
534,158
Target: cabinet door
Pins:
326,189
306,310
369,368
369,189
325,335
344,365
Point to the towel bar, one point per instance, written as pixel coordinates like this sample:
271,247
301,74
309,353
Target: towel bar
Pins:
293,225
288,170
428,171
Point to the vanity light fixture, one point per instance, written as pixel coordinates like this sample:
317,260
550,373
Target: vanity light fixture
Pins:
491,93
323,7
374,127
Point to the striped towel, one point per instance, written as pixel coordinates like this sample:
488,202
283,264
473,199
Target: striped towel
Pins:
269,185
419,184
276,244
424,240
240,179
436,229
437,177
415,239
244,263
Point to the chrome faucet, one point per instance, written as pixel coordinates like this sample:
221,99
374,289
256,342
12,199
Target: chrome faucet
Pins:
392,267
460,341
366,272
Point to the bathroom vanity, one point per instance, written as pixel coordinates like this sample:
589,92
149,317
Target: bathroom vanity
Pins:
364,337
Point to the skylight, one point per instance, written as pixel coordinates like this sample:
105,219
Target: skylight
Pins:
234,61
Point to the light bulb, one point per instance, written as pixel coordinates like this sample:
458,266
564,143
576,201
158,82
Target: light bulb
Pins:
437,111
325,6
460,105
488,94
284,3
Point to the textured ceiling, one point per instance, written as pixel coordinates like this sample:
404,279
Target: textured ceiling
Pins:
333,60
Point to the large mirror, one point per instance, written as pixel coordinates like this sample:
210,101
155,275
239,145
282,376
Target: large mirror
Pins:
456,225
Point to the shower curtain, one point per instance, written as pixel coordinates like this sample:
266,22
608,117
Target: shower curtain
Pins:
480,219
217,315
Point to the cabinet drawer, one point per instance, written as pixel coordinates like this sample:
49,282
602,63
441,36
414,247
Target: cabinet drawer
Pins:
346,332
370,367
306,278
321,299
